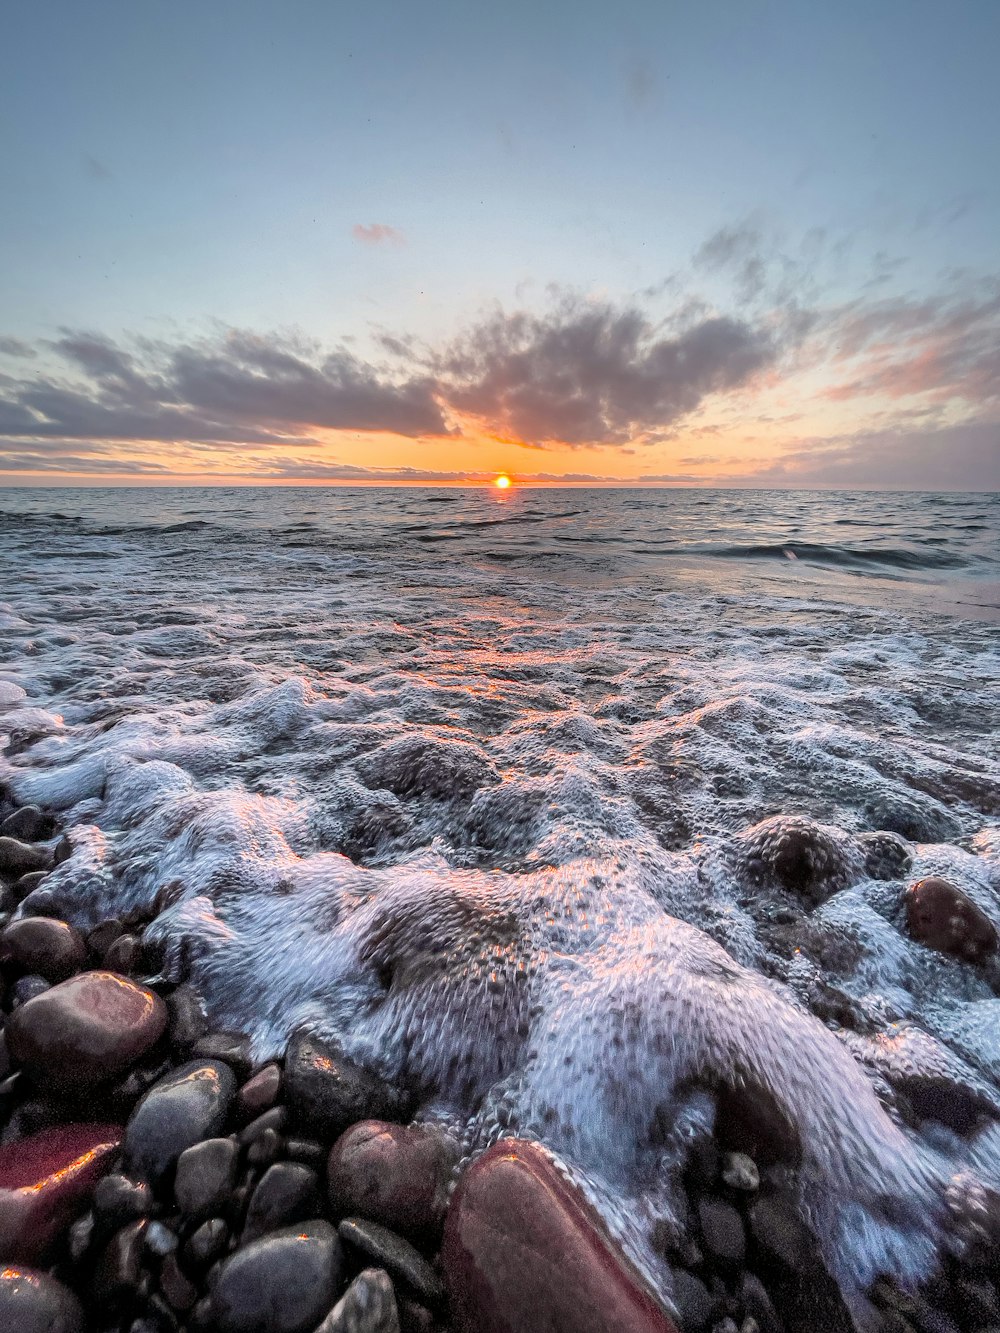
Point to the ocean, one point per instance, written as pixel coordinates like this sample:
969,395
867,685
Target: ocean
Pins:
572,808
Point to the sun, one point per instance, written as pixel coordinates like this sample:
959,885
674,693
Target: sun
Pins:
503,481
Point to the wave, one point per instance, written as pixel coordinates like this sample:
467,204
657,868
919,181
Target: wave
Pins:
841,556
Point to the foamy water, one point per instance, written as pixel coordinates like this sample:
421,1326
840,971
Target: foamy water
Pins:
489,787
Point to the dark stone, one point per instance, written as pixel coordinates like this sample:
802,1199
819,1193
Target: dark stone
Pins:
120,1266
21,858
753,1298
740,1172
265,1148
305,1150
779,1230
179,1292
41,902
27,988
887,856
367,1306
52,949
287,1192
123,955
396,1255
208,1243
29,824
206,1176
101,938
524,1250
188,1105
45,1180
233,1048
186,1020
328,1092
28,883
118,1200
85,1030
276,1119
696,1306
160,1240
943,917
394,1175
416,1318
722,1232
259,1094
283,1283
33,1302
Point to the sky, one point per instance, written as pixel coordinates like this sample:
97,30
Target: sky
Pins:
739,242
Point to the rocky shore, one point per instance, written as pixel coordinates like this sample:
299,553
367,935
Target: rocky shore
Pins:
154,1179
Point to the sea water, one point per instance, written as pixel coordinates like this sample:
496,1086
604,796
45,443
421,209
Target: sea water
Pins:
488,786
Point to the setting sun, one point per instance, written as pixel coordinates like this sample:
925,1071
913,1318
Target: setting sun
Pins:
503,481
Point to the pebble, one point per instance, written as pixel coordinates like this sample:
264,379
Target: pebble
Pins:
44,1180
740,1172
186,1020
120,1266
179,1292
101,938
275,1119
27,988
28,883
394,1254
393,1174
28,824
265,1148
51,949
33,1302
19,858
160,1240
286,1192
259,1094
941,916
283,1283
118,1200
367,1306
206,1176
328,1092
695,1303
722,1232
187,1105
85,1030
207,1243
123,954
524,1250
233,1048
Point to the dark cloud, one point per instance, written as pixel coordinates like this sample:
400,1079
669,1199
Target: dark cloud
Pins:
595,373
377,233
16,347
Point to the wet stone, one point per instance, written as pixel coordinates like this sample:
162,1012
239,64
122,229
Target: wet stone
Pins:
777,1228
233,1048
265,1148
51,949
185,1017
28,883
285,1282
328,1092
19,858
188,1105
179,1292
286,1192
27,988
696,1306
81,1234
101,938
941,916
754,1299
44,1182
160,1240
276,1119
118,1200
259,1094
85,1030
740,1172
393,1174
123,955
206,1176
28,824
722,1232
120,1267
396,1255
34,1302
367,1306
207,1243
305,1150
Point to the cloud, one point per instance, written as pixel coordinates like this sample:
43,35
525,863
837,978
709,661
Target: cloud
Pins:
589,373
16,347
377,233
96,169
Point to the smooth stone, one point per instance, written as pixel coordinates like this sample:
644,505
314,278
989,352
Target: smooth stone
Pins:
101,938
276,1119
740,1172
179,1292
85,1030
753,1297
328,1092
780,1232
119,1268
206,1176
45,1180
283,1283
233,1048
27,988
259,1094
81,1233
722,1232
187,1105
118,1200
28,883
185,1016
396,1255
941,916
695,1304
33,1302
367,1306
19,858
309,1151
286,1192
524,1250
265,1148
52,949
29,824
393,1174
160,1240
123,955
207,1243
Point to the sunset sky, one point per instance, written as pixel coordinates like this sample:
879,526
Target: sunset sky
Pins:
733,242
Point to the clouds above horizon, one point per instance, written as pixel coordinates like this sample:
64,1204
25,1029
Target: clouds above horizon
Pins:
888,385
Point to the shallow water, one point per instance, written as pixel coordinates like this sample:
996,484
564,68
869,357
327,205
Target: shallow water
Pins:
489,786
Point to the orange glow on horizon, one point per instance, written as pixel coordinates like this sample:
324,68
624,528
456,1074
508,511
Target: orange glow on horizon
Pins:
503,481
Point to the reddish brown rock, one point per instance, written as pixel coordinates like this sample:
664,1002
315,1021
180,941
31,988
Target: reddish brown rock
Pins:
85,1030
524,1251
259,1093
48,948
394,1175
44,1182
941,916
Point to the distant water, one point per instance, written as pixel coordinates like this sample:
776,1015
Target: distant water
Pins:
493,787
